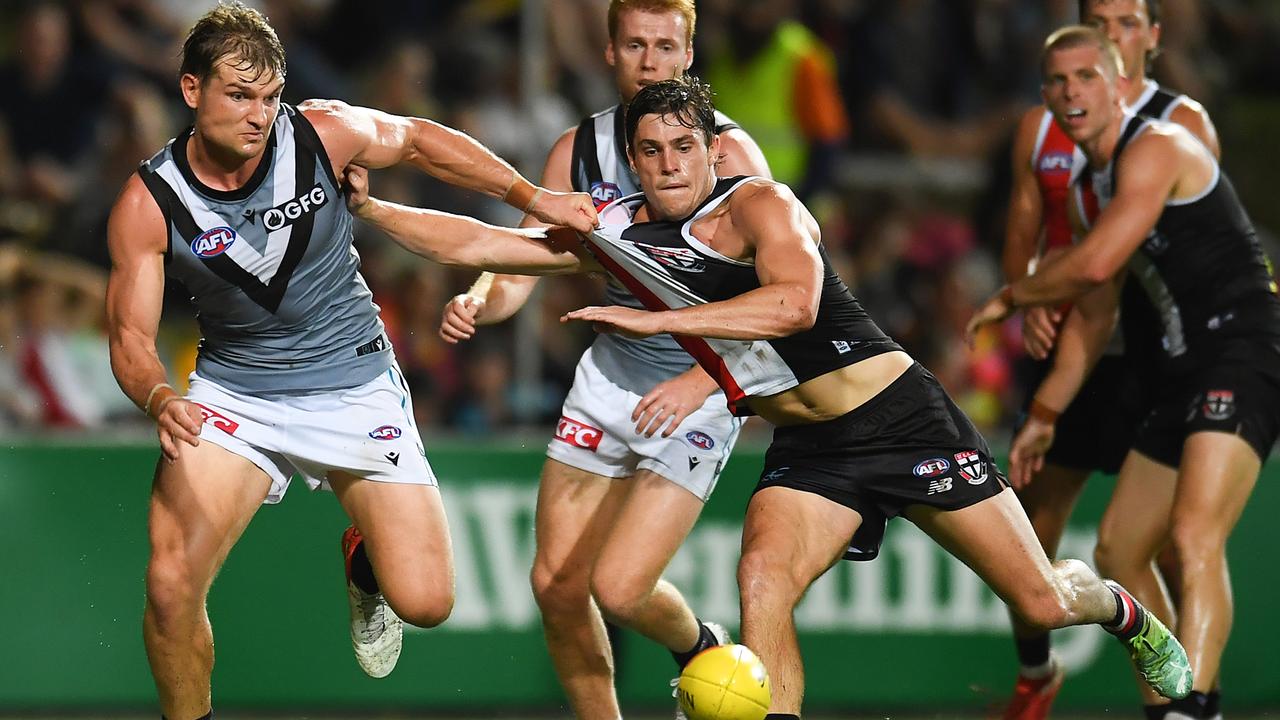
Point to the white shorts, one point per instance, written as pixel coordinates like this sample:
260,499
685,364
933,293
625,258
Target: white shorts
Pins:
366,431
596,434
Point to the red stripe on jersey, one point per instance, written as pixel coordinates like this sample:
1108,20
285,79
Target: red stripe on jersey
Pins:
695,346
1052,162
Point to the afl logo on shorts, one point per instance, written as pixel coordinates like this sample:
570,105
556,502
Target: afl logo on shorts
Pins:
386,432
700,439
931,468
971,466
603,193
212,243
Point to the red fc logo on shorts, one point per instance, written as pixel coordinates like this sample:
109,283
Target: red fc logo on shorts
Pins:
578,434
216,419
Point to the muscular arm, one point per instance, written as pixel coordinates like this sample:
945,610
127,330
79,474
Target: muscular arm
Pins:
505,294
1145,178
782,233
137,238
1022,229
374,139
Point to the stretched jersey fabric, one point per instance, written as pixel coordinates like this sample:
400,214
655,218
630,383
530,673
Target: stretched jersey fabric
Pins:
1201,270
599,167
271,268
666,267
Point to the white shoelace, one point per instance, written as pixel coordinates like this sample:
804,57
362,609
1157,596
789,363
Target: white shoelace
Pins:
375,617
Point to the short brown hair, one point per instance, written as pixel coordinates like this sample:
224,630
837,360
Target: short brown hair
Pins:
685,99
684,7
232,30
1074,36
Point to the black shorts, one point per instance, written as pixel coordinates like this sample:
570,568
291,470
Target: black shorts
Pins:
1239,394
1097,429
908,445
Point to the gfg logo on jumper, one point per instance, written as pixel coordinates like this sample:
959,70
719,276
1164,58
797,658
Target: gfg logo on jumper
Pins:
286,214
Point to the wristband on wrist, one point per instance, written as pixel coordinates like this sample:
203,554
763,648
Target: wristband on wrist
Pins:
146,407
521,194
1043,413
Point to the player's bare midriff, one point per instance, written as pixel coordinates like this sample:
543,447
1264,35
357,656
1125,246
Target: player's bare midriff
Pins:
836,393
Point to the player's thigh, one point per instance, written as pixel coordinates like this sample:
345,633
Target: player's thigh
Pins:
994,538
200,505
406,533
1135,524
1216,477
790,537
655,518
576,509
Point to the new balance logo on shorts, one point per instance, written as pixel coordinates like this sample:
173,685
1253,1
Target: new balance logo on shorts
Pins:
578,434
940,485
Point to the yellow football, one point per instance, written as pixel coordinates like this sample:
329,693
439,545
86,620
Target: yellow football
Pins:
726,682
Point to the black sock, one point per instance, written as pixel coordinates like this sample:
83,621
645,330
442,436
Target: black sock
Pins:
1033,652
705,640
1155,712
1130,617
1192,705
781,716
208,716
361,573
1213,703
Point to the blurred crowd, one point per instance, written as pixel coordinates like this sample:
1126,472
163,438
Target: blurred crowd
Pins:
893,124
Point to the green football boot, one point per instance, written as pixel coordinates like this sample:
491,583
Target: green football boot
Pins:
1159,657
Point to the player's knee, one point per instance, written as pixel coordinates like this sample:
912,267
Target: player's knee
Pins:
764,579
172,589
1108,556
559,589
1196,544
425,609
1047,605
620,598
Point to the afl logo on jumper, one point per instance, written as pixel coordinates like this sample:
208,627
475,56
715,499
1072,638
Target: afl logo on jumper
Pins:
212,243
386,432
700,439
972,468
932,468
1055,162
603,193
286,214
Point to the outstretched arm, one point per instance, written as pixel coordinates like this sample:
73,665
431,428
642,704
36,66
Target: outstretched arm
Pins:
374,139
458,240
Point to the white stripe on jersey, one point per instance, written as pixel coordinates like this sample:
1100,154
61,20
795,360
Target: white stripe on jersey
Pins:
262,265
